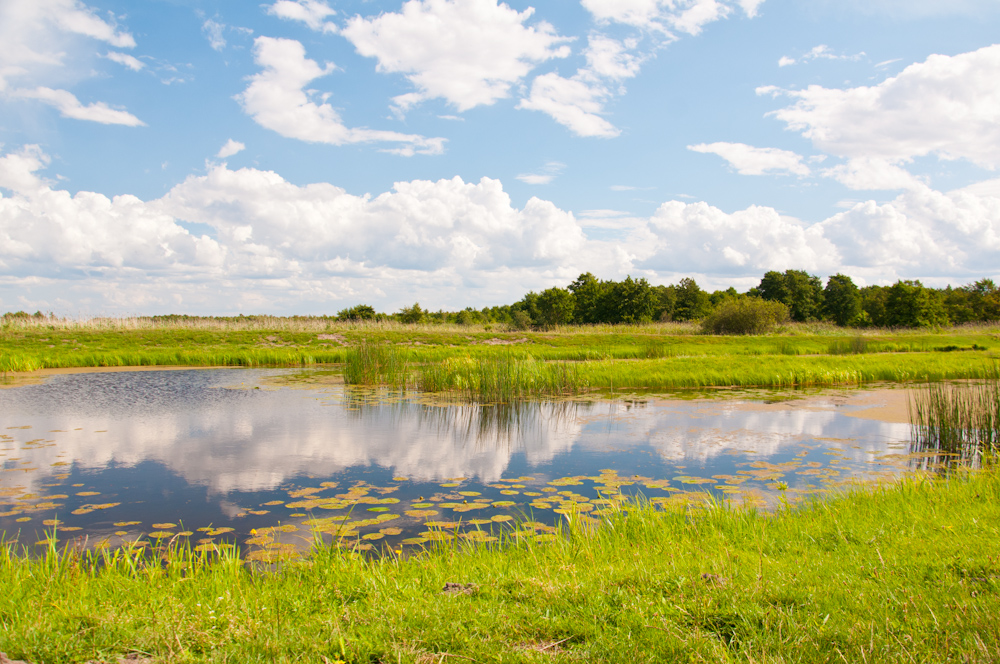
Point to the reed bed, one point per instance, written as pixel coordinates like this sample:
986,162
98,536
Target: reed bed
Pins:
501,378
377,363
959,420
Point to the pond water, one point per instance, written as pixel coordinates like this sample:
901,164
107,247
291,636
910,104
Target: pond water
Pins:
267,458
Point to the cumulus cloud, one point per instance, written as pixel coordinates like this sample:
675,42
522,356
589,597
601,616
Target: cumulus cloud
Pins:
467,52
271,245
578,102
690,236
921,231
50,230
276,99
873,173
230,148
667,16
948,106
271,238
311,12
748,160
71,107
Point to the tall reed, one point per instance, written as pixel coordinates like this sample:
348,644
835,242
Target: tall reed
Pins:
376,363
501,378
959,420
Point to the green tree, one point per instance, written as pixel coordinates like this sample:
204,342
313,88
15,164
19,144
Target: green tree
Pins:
631,301
799,290
555,307
910,304
873,306
590,298
411,315
692,302
357,312
841,299
666,301
984,297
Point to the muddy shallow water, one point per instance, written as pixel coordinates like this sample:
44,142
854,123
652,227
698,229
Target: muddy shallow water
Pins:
240,455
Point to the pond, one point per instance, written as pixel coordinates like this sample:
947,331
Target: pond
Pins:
268,459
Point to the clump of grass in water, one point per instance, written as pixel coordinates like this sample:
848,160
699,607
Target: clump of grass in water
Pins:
962,421
501,378
376,363
854,346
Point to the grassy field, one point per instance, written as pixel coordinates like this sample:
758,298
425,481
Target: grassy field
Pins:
654,356
900,573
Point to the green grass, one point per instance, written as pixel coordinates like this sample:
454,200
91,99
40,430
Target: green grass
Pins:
496,365
376,363
504,377
900,573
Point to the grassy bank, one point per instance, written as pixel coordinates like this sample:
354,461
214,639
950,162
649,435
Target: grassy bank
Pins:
907,572
438,358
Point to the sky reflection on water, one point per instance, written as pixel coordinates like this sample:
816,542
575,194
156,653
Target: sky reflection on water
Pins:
208,448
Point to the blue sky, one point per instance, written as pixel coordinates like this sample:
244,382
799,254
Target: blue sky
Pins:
300,156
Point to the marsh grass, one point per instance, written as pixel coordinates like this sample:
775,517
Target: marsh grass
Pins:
961,421
500,378
377,363
894,573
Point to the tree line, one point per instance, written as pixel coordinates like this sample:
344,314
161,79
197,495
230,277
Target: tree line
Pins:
802,297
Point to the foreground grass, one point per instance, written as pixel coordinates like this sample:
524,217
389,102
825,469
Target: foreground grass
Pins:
907,572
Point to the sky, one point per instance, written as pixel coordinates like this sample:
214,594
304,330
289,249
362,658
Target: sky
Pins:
304,156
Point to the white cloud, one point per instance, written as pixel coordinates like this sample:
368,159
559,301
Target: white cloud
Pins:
948,106
921,232
276,99
750,7
873,173
468,52
272,239
534,178
76,17
786,61
665,16
572,103
748,160
578,102
47,43
230,148
276,246
609,58
687,237
70,107
130,61
51,230
311,12
214,32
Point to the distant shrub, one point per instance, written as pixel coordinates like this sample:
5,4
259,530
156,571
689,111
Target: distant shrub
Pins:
745,315
359,312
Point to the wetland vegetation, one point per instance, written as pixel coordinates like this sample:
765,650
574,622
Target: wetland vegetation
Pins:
903,570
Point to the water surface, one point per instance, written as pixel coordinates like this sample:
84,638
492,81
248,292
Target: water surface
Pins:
240,455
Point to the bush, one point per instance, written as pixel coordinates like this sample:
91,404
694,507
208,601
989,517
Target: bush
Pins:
745,315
